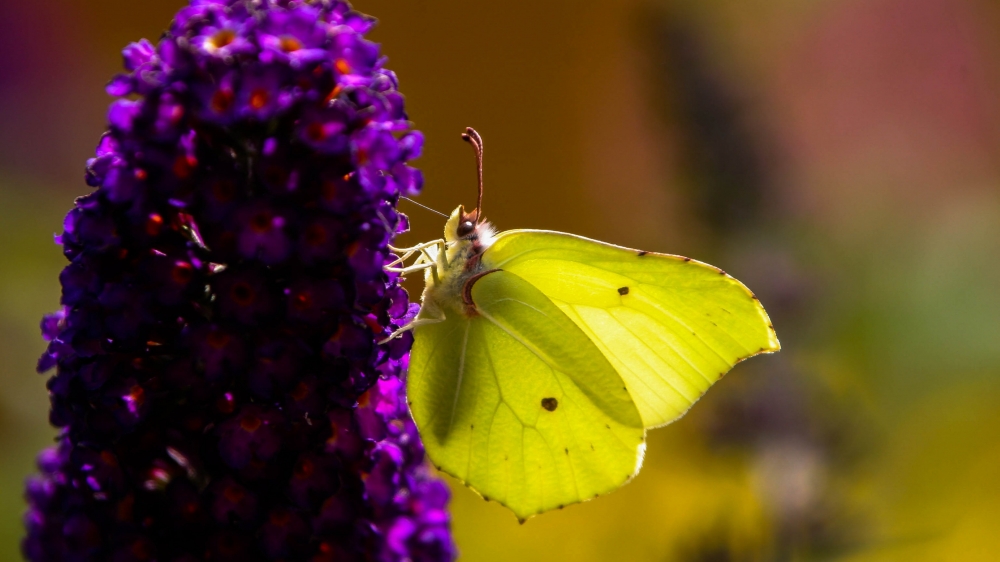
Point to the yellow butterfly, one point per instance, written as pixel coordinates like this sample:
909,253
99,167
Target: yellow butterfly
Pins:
541,358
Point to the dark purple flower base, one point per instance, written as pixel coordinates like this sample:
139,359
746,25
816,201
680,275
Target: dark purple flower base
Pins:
219,385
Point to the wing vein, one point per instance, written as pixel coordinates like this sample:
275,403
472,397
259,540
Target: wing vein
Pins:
554,455
673,347
641,358
496,381
684,325
723,331
468,460
489,434
434,353
545,359
461,374
524,465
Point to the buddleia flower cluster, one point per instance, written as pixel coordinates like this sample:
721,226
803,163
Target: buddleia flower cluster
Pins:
220,385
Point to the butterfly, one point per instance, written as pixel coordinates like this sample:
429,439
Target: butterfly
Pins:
541,358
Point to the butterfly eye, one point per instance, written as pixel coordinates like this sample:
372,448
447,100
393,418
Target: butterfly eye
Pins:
465,228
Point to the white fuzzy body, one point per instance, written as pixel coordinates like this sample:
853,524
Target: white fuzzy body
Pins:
444,283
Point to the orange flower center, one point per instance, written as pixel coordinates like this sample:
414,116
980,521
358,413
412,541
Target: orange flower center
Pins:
221,38
222,101
259,98
250,423
289,44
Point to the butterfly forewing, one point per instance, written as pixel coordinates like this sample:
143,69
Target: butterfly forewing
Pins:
519,403
670,326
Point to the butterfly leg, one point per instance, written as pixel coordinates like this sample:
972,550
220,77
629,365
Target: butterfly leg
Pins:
413,249
417,266
416,322
407,252
424,261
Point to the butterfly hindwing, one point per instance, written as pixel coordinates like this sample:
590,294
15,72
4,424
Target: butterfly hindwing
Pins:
518,403
670,326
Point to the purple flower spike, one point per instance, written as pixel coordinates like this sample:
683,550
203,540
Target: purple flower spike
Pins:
219,385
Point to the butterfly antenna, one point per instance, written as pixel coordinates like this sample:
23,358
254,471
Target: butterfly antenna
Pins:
472,137
424,206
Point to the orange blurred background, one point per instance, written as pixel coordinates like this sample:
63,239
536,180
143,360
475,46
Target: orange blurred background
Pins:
838,156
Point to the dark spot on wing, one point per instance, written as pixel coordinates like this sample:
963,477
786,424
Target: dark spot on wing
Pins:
607,426
754,297
472,426
567,451
591,446
721,272
487,498
550,404
623,291
687,260
714,324
642,254
561,506
505,457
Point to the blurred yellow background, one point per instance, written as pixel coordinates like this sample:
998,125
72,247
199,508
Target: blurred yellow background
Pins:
838,156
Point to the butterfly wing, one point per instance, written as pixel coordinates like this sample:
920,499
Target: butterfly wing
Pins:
519,404
670,326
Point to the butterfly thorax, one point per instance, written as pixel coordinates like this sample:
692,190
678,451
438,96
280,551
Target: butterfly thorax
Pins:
446,285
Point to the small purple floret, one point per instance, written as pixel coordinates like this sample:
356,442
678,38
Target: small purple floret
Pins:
219,385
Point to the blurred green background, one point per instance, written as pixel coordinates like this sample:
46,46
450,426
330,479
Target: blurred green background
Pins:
838,156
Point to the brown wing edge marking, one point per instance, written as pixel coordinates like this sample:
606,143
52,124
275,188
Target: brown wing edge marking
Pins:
470,305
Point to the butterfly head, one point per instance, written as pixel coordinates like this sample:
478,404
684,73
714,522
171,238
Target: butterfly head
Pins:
466,223
467,227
